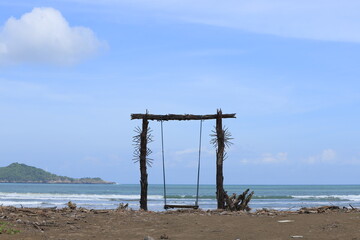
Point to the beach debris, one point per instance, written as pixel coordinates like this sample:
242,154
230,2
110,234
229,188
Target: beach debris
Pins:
297,236
285,221
308,211
318,209
238,203
98,211
37,226
26,211
149,238
266,211
164,236
83,210
324,208
71,205
123,206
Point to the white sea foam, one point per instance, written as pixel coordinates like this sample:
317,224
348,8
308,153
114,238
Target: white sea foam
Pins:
329,197
73,197
155,202
13,203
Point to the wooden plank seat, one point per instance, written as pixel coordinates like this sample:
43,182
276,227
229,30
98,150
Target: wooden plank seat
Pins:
167,206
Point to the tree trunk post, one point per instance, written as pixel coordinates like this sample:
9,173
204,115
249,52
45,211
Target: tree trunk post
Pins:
219,162
143,170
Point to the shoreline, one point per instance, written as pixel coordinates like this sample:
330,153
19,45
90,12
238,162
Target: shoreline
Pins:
325,222
58,182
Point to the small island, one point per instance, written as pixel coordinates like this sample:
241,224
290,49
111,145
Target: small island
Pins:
22,173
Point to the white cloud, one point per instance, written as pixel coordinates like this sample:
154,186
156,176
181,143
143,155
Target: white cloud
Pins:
44,35
330,20
320,20
193,150
274,158
327,155
268,158
187,157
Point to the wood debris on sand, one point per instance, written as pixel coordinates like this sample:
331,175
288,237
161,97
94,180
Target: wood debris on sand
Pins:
81,223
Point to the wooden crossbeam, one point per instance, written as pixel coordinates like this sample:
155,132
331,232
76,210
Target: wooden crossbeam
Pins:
179,117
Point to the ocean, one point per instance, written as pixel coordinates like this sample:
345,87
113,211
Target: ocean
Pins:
93,196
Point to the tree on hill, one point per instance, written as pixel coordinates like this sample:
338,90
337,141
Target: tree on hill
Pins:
17,172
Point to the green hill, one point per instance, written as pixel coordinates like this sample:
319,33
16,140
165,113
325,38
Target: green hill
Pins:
21,173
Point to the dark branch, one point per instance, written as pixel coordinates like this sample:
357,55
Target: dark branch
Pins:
179,117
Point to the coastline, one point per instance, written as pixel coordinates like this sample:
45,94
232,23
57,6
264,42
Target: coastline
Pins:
66,223
57,182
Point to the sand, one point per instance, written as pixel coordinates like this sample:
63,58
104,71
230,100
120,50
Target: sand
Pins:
127,224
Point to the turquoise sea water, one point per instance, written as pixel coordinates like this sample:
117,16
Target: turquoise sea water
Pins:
281,197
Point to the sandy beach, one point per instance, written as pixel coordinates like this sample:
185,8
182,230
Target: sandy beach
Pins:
36,223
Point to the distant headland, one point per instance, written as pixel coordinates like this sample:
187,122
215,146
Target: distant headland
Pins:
22,173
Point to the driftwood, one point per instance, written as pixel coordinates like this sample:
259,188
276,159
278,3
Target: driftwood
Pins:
238,203
71,205
318,209
179,117
122,206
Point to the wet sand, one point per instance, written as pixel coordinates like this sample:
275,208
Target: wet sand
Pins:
66,223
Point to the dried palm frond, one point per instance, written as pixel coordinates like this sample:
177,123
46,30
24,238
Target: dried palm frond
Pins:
226,134
227,137
137,145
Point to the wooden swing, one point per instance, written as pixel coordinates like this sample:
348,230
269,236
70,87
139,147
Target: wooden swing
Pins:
196,205
143,152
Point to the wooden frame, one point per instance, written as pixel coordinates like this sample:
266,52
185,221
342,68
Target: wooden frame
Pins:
220,137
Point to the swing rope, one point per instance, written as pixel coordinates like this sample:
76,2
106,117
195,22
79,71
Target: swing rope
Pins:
163,160
198,172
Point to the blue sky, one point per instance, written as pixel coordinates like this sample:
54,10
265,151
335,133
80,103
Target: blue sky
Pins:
72,72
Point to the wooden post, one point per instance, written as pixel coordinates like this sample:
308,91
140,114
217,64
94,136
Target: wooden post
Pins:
143,171
219,162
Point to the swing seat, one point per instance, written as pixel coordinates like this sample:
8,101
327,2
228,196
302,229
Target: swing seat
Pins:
167,206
